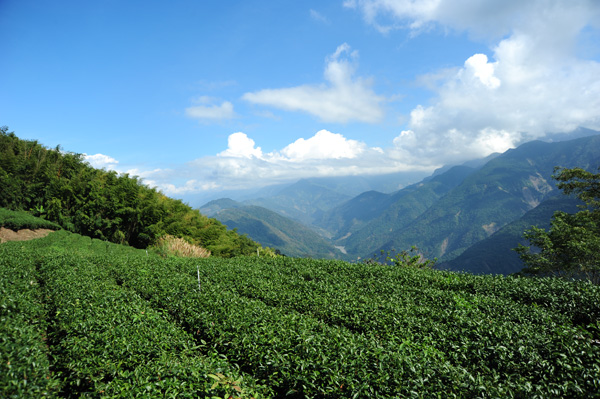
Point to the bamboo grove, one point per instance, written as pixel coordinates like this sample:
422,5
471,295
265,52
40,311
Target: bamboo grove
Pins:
61,187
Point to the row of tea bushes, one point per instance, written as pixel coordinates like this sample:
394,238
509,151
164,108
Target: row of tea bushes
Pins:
110,321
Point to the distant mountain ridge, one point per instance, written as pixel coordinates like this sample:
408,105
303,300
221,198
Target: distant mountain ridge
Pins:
303,201
271,229
444,214
388,213
501,191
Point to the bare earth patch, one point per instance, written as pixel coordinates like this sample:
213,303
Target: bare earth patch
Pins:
22,235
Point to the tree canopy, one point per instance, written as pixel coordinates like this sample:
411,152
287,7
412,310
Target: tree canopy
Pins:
571,247
61,187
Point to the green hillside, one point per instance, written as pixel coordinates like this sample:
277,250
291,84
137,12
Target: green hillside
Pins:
62,188
86,318
271,229
364,224
496,254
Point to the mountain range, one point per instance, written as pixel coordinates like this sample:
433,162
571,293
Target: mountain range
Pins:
271,229
467,216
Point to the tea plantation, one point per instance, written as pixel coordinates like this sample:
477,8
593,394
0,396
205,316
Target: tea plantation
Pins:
85,318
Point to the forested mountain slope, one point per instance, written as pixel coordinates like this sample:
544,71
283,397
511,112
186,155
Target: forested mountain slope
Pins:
500,192
270,229
368,221
495,254
443,215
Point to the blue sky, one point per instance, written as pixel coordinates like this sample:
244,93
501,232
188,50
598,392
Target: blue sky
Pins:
201,96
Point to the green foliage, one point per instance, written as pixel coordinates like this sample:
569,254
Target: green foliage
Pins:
16,220
105,320
72,329
63,188
407,258
571,247
25,366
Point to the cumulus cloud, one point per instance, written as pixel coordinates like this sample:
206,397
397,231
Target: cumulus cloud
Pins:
101,161
244,165
479,67
206,111
241,146
530,84
481,19
343,98
323,145
324,154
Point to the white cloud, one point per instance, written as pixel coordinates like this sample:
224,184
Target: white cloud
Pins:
343,98
240,145
532,83
244,165
101,161
482,19
210,112
478,66
190,186
323,145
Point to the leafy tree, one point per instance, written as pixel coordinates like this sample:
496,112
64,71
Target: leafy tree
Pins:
406,258
571,247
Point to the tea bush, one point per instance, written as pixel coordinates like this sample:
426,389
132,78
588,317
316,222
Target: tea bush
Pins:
122,322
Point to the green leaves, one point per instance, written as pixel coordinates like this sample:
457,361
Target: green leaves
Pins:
120,323
21,220
571,247
25,367
409,258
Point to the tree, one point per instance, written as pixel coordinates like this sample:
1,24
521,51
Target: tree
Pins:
571,247
406,258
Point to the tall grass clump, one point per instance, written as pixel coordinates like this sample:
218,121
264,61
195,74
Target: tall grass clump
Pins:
174,246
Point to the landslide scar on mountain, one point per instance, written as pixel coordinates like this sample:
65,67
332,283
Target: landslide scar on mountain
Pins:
444,246
490,228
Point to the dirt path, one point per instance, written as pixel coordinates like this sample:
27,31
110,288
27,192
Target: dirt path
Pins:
22,235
